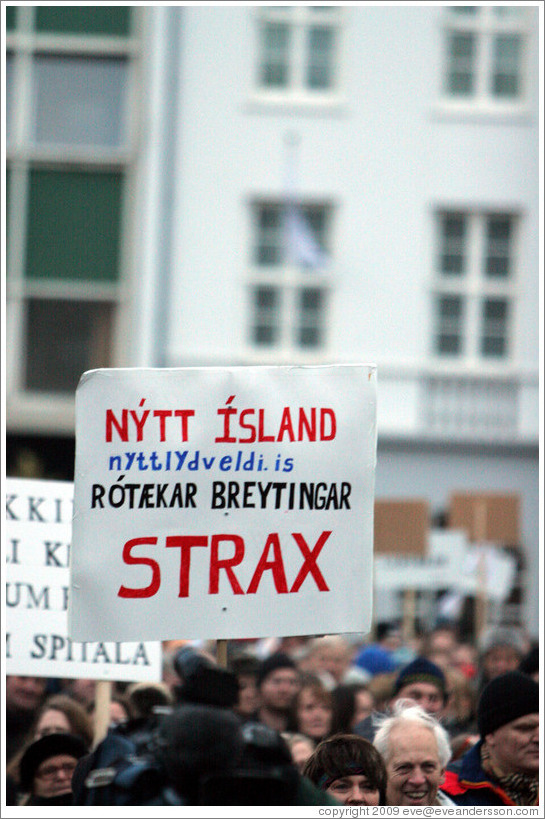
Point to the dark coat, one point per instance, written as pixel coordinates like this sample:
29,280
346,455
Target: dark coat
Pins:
467,783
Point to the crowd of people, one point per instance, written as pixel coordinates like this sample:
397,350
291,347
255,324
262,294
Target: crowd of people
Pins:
338,719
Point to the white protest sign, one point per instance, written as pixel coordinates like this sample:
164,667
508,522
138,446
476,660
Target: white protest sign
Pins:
439,569
37,540
452,563
222,503
498,577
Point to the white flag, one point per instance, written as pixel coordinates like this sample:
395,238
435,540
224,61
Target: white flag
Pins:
303,248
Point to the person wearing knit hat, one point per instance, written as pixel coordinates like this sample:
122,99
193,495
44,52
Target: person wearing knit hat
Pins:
420,681
501,648
278,682
423,682
503,767
46,769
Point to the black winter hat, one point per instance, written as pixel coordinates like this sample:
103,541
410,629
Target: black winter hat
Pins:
421,670
44,748
272,663
506,698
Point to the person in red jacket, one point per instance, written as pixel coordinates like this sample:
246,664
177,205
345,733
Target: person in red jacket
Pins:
503,767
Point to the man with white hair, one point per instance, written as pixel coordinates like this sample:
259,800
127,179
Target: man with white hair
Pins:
416,750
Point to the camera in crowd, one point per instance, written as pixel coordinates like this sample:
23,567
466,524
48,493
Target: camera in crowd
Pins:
197,752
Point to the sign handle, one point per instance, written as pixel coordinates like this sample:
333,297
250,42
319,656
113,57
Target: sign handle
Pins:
481,607
221,653
409,614
103,698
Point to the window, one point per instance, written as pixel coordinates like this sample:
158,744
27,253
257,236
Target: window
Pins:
65,338
298,50
474,285
486,50
70,75
79,100
290,276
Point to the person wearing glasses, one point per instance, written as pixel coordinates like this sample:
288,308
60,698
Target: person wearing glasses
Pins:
46,769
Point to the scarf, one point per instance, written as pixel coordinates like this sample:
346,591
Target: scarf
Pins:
522,789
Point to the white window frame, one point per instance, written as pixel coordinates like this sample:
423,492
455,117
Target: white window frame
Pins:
54,411
296,92
475,288
485,26
288,280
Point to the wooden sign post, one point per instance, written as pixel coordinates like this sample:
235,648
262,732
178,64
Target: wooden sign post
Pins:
486,517
103,698
221,653
481,600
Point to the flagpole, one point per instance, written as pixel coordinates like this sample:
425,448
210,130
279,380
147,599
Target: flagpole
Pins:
291,146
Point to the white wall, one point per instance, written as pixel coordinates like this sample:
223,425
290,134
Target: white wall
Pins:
385,157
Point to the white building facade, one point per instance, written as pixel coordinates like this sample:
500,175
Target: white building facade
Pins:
408,139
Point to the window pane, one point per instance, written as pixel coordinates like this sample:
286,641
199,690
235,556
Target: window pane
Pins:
266,304
89,19
453,243
311,317
10,17
74,225
63,340
507,63
498,235
450,311
495,318
269,249
275,43
317,217
461,64
80,101
320,57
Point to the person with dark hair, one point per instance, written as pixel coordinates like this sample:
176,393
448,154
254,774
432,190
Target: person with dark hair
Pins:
246,668
348,768
46,769
278,682
24,695
502,768
141,698
352,702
